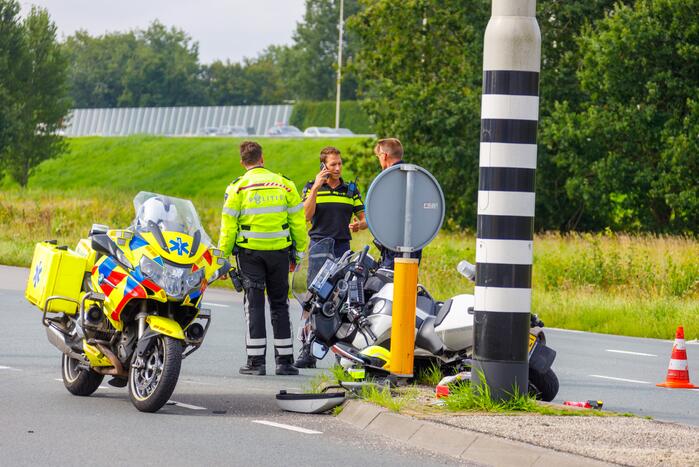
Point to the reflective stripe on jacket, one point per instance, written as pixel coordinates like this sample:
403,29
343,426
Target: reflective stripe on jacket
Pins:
262,211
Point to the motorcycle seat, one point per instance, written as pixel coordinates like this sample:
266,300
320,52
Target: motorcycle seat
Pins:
427,339
443,312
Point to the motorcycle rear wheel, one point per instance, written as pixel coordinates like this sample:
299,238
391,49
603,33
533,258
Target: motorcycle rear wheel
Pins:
152,384
78,381
543,387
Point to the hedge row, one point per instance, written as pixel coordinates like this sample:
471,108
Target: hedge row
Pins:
322,113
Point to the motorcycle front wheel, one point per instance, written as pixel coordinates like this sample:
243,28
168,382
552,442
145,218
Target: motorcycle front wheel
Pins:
78,381
543,387
153,379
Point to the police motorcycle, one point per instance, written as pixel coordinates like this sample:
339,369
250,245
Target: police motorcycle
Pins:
350,303
126,303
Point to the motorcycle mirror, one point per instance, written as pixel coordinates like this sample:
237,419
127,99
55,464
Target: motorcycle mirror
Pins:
467,270
318,350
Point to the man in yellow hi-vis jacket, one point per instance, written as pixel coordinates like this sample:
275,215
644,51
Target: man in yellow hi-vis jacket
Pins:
262,224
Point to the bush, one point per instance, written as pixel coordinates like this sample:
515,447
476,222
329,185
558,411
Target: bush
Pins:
322,113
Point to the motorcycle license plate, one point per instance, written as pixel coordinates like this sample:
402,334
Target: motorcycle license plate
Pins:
532,341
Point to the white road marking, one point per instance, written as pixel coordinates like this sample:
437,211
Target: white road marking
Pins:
186,406
215,304
288,427
628,352
201,383
620,379
9,368
574,331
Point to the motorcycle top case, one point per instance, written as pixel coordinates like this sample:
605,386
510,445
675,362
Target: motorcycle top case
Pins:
55,272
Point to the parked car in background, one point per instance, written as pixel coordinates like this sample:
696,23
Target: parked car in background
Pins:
316,131
208,131
285,131
229,130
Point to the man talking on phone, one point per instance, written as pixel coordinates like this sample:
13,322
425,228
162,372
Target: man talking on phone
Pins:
334,208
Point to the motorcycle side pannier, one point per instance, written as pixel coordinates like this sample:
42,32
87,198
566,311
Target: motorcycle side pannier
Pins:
55,272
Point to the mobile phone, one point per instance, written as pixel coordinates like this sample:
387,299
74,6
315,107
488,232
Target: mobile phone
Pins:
322,167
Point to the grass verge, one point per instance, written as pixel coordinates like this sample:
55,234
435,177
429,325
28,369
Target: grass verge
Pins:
465,397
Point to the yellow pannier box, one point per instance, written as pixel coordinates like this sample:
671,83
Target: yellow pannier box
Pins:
55,272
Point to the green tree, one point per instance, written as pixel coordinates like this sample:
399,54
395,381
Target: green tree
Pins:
309,66
255,81
629,146
163,71
560,23
419,66
39,100
11,53
98,66
153,67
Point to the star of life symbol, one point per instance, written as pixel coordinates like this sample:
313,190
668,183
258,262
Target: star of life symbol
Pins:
179,246
37,274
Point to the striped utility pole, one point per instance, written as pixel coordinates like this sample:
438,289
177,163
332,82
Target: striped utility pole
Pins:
505,228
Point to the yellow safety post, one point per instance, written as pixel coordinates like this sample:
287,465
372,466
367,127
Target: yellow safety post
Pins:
403,317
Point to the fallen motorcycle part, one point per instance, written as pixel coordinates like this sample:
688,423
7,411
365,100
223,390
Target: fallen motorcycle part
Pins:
309,403
589,404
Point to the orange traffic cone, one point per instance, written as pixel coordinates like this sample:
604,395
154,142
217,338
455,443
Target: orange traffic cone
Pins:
678,371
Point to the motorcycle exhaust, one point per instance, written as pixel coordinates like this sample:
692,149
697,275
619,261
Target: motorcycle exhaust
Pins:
116,370
58,340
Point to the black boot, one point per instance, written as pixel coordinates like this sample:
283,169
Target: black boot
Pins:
305,360
253,367
284,366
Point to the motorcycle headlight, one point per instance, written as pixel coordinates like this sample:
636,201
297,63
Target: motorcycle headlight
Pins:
194,279
151,269
176,281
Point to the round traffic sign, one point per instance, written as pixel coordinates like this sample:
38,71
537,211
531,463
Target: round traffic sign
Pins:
404,207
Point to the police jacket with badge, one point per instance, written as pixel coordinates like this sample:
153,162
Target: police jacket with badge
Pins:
262,211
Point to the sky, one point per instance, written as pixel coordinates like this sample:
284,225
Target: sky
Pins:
224,29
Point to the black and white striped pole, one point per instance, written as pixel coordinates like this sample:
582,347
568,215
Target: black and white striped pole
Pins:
505,227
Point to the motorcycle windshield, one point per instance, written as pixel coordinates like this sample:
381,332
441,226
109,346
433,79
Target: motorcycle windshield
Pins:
308,268
170,214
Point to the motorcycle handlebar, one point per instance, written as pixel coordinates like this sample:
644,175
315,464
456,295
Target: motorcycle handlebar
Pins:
467,270
362,255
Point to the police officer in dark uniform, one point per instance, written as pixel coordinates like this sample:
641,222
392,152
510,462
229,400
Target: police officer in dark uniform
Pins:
390,153
334,208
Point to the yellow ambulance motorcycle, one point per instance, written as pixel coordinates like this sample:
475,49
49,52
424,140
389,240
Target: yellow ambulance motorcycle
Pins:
126,302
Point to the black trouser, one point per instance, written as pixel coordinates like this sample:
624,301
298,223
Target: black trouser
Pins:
260,270
316,260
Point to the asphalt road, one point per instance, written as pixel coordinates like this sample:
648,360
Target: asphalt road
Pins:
623,372
219,416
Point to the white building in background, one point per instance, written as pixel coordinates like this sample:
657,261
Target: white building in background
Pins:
175,121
